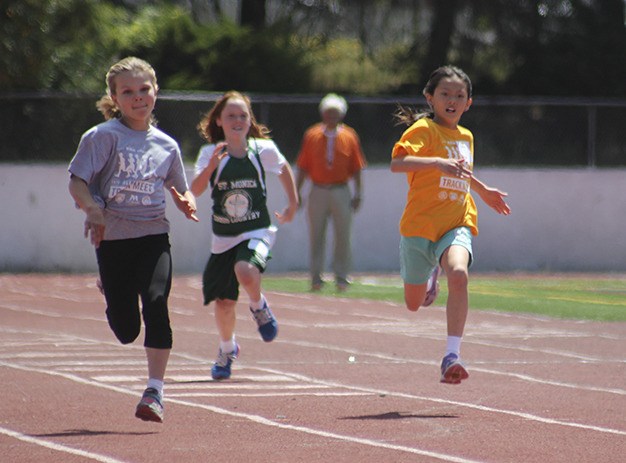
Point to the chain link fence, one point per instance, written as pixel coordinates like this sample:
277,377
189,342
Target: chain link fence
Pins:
509,131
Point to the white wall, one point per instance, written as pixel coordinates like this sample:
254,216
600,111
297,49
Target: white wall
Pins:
562,220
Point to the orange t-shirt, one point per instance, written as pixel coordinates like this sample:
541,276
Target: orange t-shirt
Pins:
436,202
347,156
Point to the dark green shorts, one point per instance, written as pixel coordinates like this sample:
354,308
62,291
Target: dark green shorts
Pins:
219,280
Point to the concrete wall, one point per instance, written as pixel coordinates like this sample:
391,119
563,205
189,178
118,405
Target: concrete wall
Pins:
562,220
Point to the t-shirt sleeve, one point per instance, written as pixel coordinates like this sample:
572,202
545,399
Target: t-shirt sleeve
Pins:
204,157
413,140
176,176
91,155
271,158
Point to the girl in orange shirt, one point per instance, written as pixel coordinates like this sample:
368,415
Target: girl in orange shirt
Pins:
439,219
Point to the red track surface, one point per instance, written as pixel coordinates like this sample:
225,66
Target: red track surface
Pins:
540,390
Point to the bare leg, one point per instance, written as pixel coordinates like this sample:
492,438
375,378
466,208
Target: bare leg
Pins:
414,296
249,277
455,262
157,362
225,318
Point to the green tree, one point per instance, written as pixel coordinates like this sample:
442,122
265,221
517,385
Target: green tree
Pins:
545,47
53,44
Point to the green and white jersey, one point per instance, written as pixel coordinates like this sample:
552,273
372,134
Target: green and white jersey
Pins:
239,193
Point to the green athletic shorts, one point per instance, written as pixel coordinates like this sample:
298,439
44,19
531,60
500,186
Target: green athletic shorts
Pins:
419,256
219,280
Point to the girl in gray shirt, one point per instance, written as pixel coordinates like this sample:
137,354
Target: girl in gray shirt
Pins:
118,178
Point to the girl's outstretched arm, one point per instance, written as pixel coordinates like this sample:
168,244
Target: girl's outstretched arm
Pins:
493,197
186,202
94,220
201,181
289,185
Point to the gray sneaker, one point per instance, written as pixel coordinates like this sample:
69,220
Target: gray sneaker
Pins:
268,327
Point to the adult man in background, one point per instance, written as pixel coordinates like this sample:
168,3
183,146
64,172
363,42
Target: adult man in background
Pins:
331,156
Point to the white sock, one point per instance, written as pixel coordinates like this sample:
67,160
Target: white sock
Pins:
453,345
256,305
156,384
228,346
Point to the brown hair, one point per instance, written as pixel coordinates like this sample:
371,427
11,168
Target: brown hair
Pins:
211,132
106,105
409,116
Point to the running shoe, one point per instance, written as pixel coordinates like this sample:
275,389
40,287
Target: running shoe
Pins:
452,370
317,284
221,367
432,287
150,407
342,284
268,327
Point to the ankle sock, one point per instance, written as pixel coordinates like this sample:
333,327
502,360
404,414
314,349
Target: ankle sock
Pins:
453,345
228,346
256,305
156,384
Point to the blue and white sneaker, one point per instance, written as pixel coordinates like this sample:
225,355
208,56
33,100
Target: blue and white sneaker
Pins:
268,327
452,370
432,287
221,367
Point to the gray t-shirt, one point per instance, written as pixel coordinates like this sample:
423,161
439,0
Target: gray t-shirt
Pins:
127,172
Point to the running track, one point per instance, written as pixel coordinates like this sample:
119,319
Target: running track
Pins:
540,390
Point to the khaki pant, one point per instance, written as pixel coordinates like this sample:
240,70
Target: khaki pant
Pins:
332,202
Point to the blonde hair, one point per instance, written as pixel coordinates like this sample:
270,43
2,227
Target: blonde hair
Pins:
211,132
106,105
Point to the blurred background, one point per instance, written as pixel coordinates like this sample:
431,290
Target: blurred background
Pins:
549,75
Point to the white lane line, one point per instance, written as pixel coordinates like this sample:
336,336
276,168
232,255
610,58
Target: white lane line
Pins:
216,386
253,418
58,447
532,379
270,394
344,352
523,415
86,366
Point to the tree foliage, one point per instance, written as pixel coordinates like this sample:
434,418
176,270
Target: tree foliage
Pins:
53,44
525,47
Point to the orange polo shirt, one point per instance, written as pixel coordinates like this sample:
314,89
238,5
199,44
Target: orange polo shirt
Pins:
347,157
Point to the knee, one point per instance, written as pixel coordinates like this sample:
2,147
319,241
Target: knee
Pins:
126,329
246,273
458,279
413,304
125,335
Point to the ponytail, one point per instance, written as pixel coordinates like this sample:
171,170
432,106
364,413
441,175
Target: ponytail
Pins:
108,108
409,116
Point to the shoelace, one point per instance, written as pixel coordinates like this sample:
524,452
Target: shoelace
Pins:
263,315
223,358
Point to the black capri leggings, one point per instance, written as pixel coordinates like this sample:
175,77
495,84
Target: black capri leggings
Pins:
137,267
